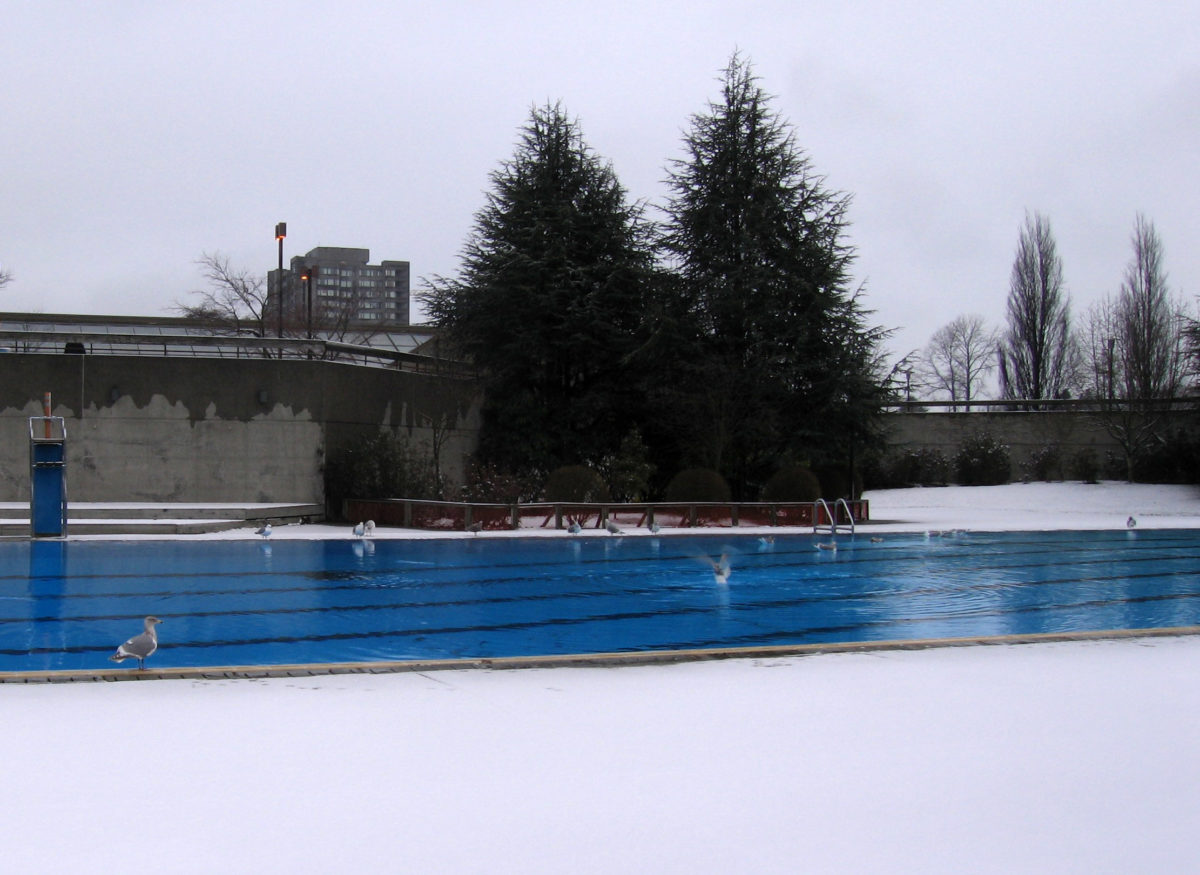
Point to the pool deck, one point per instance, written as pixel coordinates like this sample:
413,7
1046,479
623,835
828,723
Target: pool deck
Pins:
581,660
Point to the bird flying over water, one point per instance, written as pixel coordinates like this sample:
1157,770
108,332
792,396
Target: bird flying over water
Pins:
721,568
141,646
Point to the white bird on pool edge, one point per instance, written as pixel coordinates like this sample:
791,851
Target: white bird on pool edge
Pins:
140,647
265,531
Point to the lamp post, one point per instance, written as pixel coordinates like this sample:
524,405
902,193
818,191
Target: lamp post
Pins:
313,271
280,233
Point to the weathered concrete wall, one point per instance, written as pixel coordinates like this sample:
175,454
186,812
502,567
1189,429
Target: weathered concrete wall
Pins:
189,429
1023,432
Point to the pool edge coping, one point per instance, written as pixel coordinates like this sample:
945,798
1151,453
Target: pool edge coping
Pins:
575,660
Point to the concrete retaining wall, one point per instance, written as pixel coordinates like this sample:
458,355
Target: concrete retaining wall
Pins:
159,429
229,430
1023,432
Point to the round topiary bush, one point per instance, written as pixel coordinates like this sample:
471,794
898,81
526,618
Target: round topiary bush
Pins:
697,484
835,483
575,483
923,467
795,483
1084,466
982,461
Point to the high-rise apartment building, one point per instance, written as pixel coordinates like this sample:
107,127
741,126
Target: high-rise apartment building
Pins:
346,289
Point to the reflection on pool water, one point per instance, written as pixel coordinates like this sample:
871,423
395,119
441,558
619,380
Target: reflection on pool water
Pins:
66,605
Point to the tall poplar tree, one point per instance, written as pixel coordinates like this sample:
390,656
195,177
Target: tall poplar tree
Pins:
776,363
1036,354
1135,349
549,299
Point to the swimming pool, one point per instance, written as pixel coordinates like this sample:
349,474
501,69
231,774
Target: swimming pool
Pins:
67,604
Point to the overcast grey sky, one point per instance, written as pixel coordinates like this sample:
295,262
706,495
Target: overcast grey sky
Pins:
136,135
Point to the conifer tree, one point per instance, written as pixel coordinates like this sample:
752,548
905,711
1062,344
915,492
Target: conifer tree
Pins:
776,362
549,300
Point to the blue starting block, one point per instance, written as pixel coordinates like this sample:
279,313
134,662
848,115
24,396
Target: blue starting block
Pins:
47,476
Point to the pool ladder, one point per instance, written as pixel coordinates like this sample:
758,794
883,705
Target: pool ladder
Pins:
831,515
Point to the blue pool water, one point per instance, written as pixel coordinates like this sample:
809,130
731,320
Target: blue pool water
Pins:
66,605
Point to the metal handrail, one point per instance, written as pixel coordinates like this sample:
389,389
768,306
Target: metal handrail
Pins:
840,503
818,505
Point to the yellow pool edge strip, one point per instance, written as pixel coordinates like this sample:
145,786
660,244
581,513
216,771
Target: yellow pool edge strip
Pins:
579,660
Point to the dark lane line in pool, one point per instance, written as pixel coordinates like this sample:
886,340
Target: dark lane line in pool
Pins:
789,636
871,554
749,607
797,636
422,583
553,595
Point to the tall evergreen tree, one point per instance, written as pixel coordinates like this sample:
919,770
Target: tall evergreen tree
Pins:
549,300
776,361
1036,355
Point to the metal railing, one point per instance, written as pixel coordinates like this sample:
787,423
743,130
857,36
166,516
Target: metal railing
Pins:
1032,405
468,516
831,515
226,346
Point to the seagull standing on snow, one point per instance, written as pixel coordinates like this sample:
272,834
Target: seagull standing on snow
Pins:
141,646
1131,522
574,528
265,531
613,528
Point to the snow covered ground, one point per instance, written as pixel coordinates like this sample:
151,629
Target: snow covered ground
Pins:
1078,757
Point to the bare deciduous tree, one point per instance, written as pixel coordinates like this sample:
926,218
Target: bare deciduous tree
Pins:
235,299
5,276
959,357
1150,321
1036,355
1135,348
